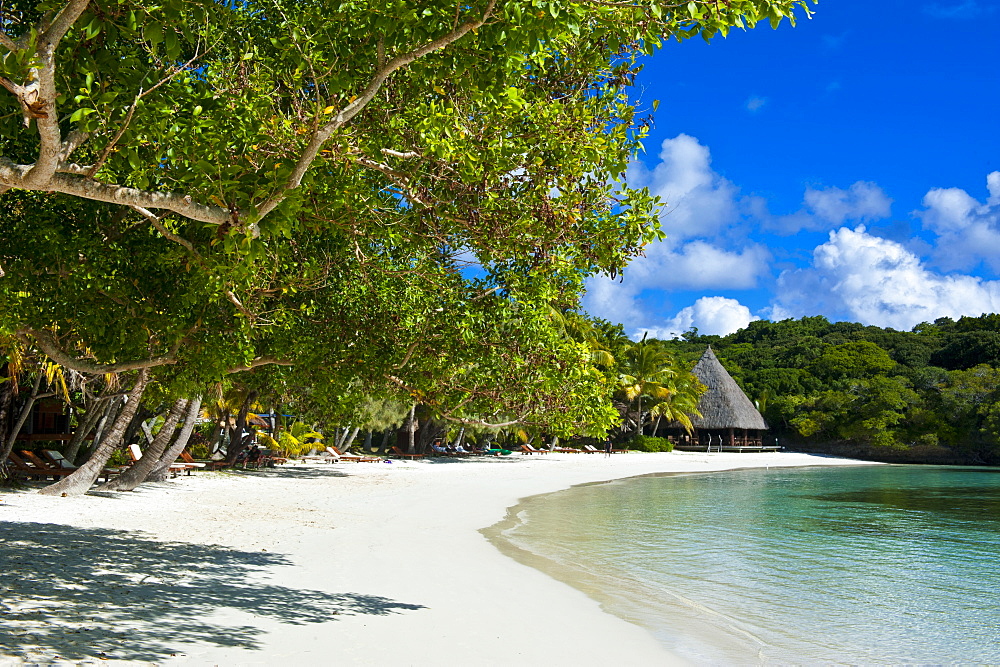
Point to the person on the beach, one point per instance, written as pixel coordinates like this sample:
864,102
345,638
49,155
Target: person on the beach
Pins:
607,447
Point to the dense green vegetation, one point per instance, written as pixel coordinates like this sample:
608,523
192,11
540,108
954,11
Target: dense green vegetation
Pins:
928,394
323,205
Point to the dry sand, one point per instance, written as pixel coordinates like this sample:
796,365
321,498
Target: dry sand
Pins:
358,564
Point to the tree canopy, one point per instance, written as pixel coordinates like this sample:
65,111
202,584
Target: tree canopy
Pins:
348,197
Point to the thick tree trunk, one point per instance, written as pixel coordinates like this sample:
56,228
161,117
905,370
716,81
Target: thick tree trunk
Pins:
385,441
162,468
367,444
136,474
80,481
90,420
237,441
554,443
411,429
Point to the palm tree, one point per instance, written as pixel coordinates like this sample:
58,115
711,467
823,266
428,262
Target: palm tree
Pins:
651,371
295,440
682,403
648,370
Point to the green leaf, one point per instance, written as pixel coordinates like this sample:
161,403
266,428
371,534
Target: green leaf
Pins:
81,113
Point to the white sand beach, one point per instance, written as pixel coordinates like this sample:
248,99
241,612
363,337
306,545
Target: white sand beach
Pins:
358,564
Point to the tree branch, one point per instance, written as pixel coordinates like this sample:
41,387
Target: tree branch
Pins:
47,343
63,21
38,98
399,177
157,222
262,361
74,140
12,175
355,107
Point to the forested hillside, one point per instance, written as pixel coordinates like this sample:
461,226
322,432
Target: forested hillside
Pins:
930,394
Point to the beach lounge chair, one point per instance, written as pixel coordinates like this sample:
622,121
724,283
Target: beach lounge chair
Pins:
56,460
396,451
351,457
590,449
188,460
274,458
135,454
526,448
28,469
324,457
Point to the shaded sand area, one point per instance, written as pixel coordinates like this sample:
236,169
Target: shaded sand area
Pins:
360,564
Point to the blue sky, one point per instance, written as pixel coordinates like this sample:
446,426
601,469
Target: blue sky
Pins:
847,167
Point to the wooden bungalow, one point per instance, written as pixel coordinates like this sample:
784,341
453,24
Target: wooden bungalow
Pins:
729,420
49,420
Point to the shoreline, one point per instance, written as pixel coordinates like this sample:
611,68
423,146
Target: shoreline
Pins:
359,563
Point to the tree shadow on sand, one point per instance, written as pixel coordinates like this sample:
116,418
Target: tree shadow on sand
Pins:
297,472
86,593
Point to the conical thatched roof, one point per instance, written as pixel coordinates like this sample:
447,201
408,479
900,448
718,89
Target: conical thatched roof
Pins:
724,405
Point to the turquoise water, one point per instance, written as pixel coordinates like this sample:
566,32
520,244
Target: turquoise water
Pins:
832,565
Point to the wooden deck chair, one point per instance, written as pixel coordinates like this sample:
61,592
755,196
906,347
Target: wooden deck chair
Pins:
526,448
27,469
396,451
590,449
347,456
56,460
135,454
187,459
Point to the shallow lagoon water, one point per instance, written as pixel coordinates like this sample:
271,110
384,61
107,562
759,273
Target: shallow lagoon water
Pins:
832,565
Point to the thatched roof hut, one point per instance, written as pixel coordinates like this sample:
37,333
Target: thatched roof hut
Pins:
724,405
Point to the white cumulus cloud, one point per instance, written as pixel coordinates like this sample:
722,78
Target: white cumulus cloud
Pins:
876,281
826,208
697,265
968,230
699,201
711,315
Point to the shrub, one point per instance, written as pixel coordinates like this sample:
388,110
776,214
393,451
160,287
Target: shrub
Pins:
647,443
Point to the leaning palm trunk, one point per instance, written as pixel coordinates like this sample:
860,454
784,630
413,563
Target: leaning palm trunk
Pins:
137,473
83,428
109,416
162,468
80,481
